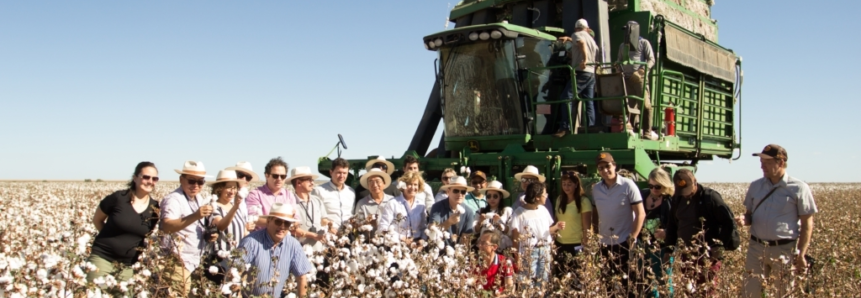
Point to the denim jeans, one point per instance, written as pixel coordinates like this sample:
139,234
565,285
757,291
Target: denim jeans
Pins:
585,89
539,265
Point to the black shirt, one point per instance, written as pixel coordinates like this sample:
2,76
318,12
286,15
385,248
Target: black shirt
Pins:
124,229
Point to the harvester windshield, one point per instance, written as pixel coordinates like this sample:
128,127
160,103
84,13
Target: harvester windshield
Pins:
480,89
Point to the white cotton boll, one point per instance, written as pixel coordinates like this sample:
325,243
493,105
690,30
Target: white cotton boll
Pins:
146,273
124,286
460,209
143,294
225,289
41,273
213,270
366,228
223,254
361,288
6,279
449,251
99,281
291,295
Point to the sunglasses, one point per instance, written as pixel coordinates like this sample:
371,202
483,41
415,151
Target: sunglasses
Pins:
242,175
148,177
458,191
447,178
278,177
281,223
528,180
656,187
198,182
569,174
494,196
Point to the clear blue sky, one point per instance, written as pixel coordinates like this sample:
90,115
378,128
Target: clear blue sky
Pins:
90,88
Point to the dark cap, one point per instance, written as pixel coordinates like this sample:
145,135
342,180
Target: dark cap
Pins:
478,174
685,181
773,151
604,157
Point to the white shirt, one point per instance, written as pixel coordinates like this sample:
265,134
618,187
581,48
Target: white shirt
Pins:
339,203
426,196
176,206
414,217
440,196
533,224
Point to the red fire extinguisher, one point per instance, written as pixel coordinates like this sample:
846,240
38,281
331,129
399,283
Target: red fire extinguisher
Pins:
670,120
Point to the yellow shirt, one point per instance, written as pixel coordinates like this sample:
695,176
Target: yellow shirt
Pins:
573,232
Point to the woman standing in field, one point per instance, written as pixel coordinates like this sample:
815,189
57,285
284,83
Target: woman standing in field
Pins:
123,219
531,230
404,215
657,205
495,215
575,209
230,213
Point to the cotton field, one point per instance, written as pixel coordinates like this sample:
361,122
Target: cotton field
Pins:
46,232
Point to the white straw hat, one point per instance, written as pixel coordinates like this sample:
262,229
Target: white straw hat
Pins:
193,168
457,183
245,167
390,167
387,180
497,186
225,176
299,172
530,171
282,211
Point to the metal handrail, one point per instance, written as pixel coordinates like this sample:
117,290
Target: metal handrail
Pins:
533,103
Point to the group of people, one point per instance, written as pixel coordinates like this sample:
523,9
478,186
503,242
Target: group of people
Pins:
635,58
274,226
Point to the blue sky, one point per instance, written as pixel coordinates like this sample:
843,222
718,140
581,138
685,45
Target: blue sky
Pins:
90,88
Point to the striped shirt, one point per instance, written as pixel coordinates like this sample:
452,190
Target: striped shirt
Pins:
236,229
260,250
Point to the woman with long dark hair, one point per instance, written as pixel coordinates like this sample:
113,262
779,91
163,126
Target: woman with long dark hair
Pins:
575,209
532,228
123,219
495,216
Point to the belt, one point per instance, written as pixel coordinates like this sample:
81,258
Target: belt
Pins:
772,243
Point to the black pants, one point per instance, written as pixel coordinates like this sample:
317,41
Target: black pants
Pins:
564,259
616,258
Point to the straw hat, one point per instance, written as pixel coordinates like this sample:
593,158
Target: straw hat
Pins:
193,168
282,211
387,180
245,167
458,182
497,186
299,172
225,176
530,171
390,167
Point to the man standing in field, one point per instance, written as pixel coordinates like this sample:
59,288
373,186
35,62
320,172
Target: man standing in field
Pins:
338,198
779,211
260,200
691,202
621,214
453,215
185,214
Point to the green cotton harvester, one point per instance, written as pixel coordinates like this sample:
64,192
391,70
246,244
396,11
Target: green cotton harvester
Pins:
501,71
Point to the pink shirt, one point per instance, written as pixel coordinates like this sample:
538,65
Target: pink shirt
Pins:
260,200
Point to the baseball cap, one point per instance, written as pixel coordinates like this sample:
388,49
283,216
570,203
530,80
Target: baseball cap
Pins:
581,24
604,157
478,174
684,180
773,151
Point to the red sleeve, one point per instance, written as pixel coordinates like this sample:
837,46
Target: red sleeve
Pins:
506,269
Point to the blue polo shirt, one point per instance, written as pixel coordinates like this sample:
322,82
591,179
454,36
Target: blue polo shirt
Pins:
613,204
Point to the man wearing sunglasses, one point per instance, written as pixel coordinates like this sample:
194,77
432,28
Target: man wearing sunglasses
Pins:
261,199
274,244
690,203
186,214
475,199
447,175
453,215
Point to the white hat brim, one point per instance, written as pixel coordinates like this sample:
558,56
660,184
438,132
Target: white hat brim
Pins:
290,219
505,193
387,180
541,178
192,174
390,167
254,176
223,181
446,187
314,177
